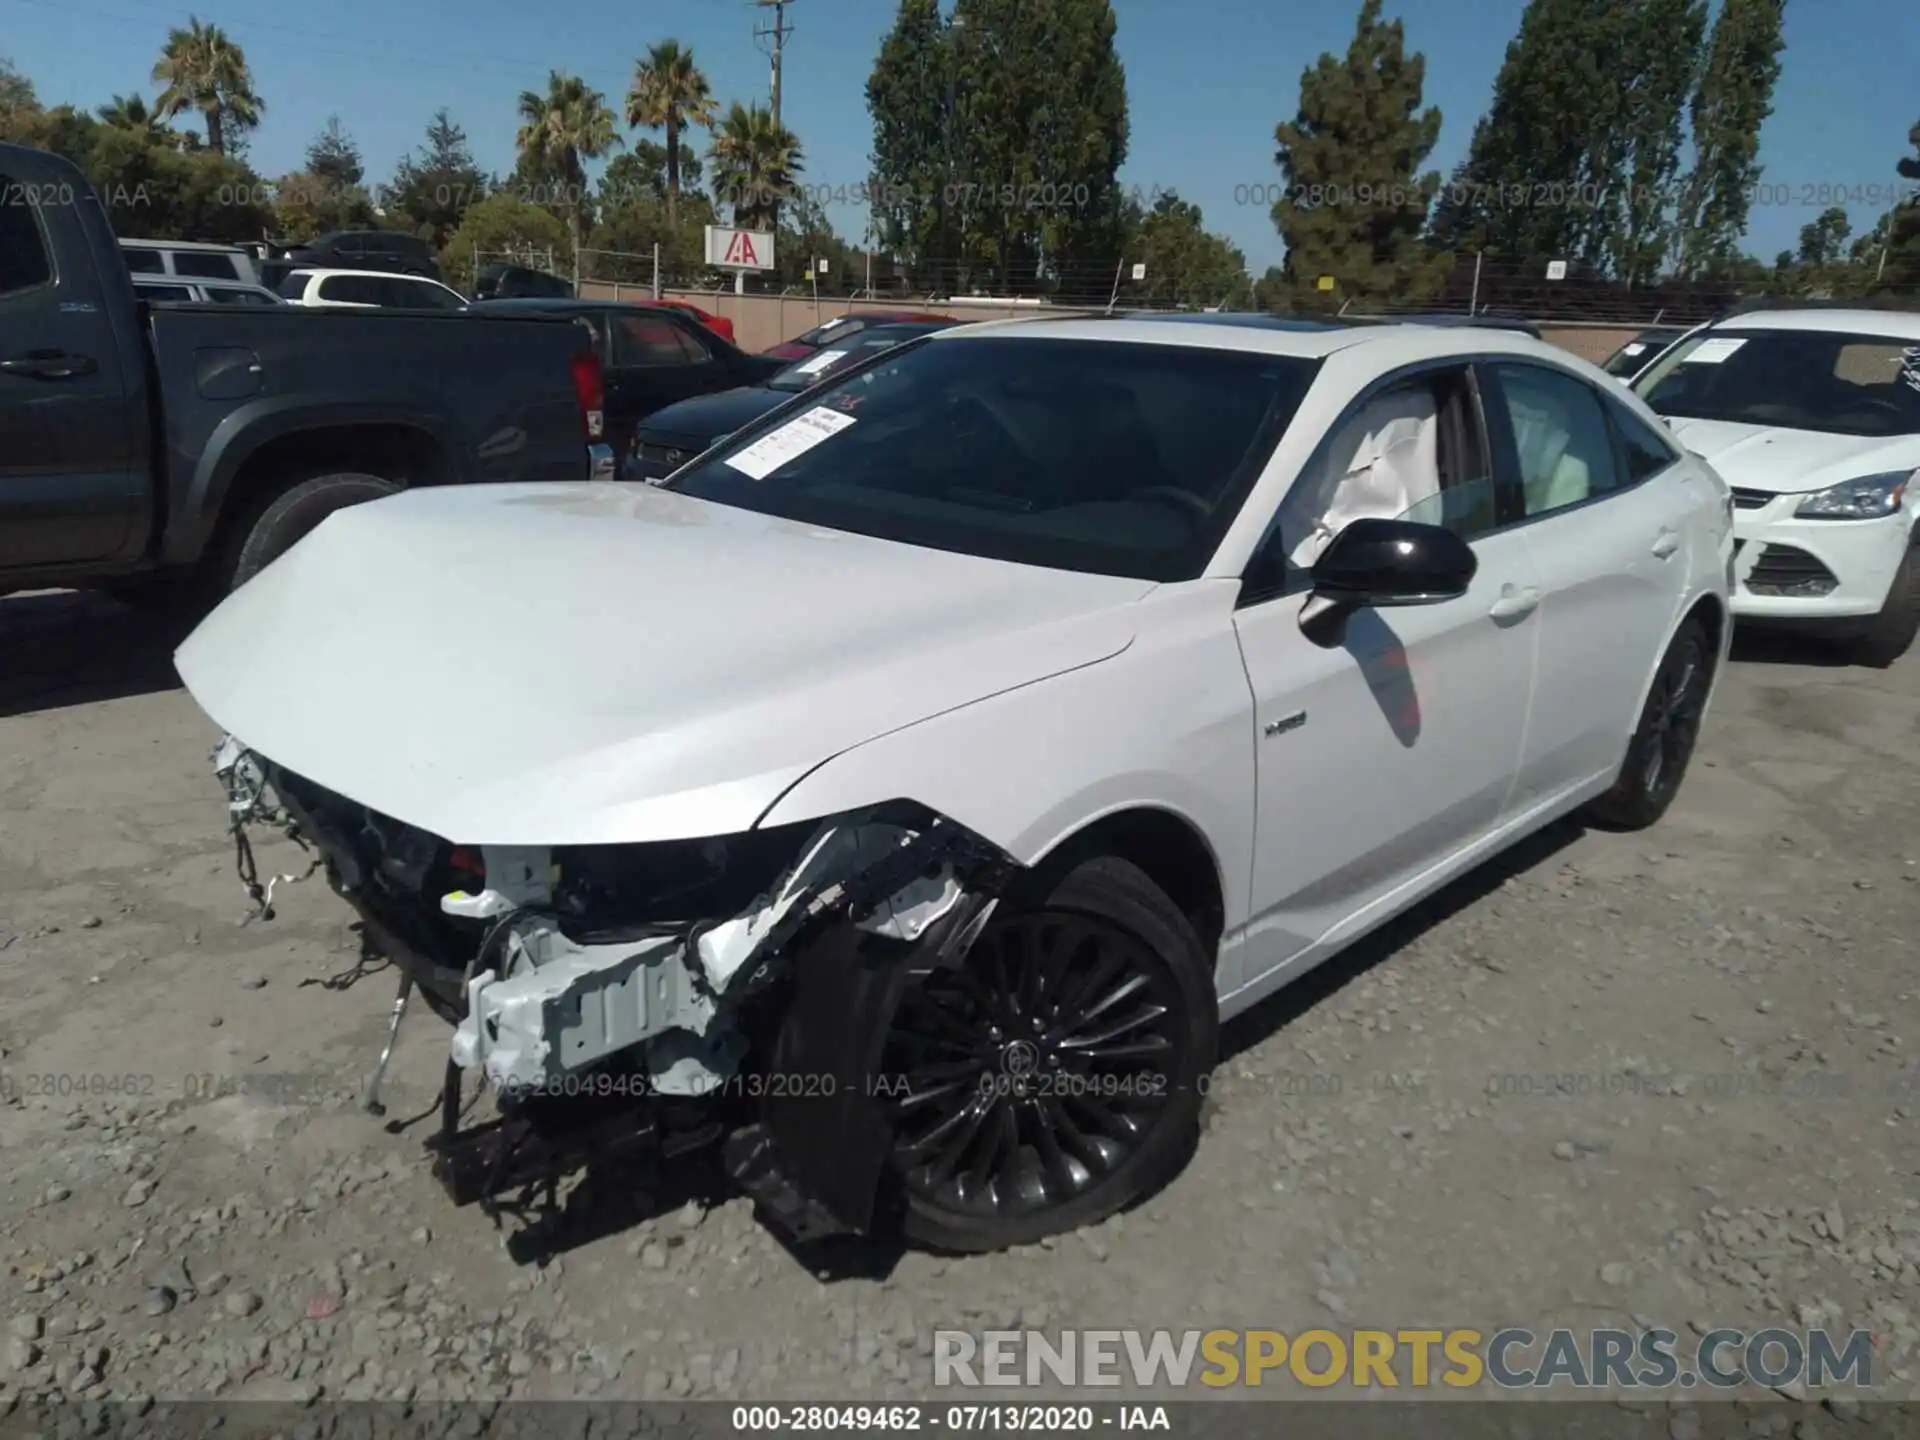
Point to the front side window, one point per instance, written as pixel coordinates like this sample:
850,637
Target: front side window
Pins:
293,285
221,295
1561,438
1104,456
1865,385
144,262
205,265
1415,451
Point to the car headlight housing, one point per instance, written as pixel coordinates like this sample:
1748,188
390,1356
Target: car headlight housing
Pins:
1871,497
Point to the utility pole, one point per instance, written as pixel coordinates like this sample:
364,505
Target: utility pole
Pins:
774,35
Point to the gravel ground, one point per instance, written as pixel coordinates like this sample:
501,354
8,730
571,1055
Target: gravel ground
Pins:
1656,1079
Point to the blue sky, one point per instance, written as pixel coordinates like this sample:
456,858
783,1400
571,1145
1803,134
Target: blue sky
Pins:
1207,79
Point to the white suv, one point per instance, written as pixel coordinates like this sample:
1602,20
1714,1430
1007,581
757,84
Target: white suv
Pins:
1813,417
367,290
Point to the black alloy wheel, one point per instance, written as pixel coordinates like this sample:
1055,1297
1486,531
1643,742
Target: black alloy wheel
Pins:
1046,1081
1663,742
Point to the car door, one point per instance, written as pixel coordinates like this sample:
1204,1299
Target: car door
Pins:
73,483
1607,533
1390,744
654,359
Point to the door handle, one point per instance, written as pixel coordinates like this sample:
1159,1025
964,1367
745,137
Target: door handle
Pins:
1665,543
49,365
1514,603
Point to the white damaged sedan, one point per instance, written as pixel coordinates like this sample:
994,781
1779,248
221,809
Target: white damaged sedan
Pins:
899,795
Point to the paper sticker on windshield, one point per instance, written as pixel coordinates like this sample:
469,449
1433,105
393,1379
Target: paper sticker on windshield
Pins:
818,362
1712,352
791,440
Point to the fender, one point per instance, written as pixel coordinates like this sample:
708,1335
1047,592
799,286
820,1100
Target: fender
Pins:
1165,725
242,432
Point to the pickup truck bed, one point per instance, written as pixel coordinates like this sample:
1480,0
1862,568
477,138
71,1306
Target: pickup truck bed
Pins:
153,441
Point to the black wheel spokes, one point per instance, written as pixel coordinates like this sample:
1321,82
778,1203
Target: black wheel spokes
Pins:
1673,720
1032,1072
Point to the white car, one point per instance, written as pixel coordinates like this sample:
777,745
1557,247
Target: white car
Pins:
1813,417
906,788
368,290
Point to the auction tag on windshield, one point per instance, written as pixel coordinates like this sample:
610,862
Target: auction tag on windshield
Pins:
818,363
1712,352
791,440
1634,349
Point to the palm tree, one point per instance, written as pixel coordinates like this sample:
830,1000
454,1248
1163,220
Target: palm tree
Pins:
559,132
754,163
203,70
670,91
130,112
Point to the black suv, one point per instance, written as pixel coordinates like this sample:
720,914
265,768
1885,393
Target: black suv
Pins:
518,282
392,251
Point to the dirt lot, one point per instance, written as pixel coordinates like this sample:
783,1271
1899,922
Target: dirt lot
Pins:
1658,1079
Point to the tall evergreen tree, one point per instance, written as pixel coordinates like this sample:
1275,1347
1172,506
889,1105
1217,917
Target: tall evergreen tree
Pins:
433,187
333,158
1655,45
908,95
1575,155
1355,198
1040,124
1731,100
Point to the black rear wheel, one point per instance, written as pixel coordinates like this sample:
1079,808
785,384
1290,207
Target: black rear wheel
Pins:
1057,1075
1662,744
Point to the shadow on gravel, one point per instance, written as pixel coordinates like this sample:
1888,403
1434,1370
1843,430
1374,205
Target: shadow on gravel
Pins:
1276,1012
1784,647
72,647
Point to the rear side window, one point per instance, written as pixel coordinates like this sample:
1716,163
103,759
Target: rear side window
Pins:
207,265
145,262
417,295
1644,452
161,292
222,296
651,341
23,252
1560,433
355,290
411,246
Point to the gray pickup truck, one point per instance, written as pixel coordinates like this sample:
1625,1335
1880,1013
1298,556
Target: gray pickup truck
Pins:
142,445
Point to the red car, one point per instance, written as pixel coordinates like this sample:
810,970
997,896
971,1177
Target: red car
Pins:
842,326
719,324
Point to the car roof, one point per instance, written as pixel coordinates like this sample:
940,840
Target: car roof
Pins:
320,272
144,244
1896,324
1260,334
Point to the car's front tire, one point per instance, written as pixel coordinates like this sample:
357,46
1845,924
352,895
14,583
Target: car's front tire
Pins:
1891,633
1057,1075
1663,740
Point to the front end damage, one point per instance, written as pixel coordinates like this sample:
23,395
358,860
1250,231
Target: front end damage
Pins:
656,996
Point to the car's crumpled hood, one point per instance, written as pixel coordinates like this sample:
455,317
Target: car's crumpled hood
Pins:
1760,457
608,663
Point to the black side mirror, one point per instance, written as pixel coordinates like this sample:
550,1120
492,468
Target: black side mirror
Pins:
1393,562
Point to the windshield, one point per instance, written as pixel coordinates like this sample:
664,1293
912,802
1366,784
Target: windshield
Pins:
1104,456
1842,384
1630,357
